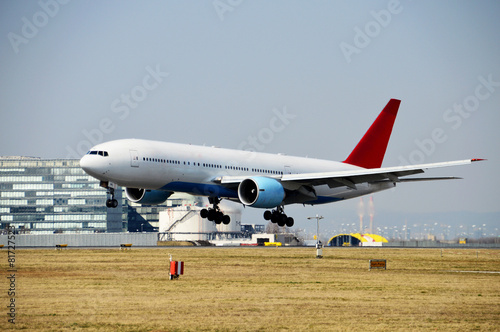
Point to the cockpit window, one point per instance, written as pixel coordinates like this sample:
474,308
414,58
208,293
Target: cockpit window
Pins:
101,153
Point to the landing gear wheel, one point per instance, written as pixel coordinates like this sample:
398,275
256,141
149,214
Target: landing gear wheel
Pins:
279,217
111,203
211,214
282,220
219,217
215,214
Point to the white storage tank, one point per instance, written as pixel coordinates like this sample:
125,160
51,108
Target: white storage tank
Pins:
184,223
234,210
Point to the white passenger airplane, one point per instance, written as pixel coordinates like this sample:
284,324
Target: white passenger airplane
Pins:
151,171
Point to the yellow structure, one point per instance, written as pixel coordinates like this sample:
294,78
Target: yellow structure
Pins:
356,239
272,244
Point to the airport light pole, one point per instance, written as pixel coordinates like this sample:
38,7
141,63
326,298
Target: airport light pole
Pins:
319,246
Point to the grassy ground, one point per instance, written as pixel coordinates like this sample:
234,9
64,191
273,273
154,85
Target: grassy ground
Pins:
228,289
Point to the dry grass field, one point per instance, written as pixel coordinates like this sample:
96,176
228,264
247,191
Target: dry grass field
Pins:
250,289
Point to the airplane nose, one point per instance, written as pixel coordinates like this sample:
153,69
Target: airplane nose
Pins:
94,166
85,163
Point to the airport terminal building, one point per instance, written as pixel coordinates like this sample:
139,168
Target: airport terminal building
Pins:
45,196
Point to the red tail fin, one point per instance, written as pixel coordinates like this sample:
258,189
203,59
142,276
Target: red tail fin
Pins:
370,151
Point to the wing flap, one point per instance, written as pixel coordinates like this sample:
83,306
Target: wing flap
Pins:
432,179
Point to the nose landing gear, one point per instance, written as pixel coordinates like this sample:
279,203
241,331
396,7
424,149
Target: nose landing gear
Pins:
110,202
215,214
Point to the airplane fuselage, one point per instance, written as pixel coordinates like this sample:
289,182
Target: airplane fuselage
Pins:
192,169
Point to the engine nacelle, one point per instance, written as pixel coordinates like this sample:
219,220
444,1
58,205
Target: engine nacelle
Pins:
261,192
147,196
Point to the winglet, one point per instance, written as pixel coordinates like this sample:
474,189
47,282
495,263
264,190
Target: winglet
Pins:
370,151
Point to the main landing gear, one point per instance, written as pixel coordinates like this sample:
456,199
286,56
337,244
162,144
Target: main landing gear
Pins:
214,214
279,217
110,202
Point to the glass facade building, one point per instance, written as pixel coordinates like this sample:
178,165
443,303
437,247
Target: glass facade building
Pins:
54,196
42,196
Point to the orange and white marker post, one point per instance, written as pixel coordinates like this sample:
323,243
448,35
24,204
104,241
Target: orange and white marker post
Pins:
176,269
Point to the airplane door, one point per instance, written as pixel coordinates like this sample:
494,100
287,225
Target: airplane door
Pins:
134,158
288,169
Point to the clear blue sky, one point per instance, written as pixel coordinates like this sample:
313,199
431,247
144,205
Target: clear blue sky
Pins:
219,72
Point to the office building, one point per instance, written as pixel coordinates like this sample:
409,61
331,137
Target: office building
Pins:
54,196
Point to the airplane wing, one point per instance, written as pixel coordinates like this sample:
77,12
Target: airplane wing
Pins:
350,178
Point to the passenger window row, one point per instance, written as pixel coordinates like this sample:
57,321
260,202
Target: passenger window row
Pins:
163,161
235,168
267,171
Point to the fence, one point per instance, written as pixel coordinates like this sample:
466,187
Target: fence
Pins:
82,240
437,244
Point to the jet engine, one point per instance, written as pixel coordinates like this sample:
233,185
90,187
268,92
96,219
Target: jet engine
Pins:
147,196
261,192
